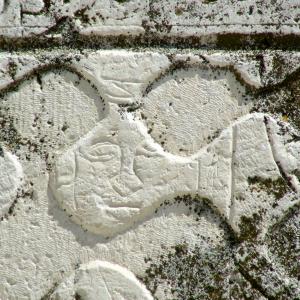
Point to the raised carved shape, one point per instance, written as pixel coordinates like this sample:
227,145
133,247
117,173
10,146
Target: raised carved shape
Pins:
10,179
101,279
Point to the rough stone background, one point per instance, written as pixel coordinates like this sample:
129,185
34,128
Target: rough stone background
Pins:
149,149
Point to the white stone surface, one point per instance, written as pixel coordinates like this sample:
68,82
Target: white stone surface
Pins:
10,180
66,107
190,107
126,131
135,18
116,174
101,279
122,77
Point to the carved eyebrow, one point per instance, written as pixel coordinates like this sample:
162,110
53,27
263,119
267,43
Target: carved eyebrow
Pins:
101,151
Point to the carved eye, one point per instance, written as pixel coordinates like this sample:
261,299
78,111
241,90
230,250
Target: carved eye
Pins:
102,152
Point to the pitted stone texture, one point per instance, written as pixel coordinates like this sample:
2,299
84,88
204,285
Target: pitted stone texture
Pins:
10,180
205,17
101,279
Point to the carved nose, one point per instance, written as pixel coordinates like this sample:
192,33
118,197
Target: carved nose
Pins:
126,184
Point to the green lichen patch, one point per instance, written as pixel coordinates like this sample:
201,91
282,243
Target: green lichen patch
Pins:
278,188
205,270
249,227
260,270
9,136
18,145
194,273
282,101
284,244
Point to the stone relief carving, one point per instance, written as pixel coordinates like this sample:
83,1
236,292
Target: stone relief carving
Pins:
96,278
120,172
117,175
10,179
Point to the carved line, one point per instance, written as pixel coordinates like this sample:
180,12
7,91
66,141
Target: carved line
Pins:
284,174
232,173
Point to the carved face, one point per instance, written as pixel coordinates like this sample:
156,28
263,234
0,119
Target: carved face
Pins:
110,177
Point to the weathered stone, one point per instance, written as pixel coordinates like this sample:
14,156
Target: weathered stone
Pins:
100,278
160,136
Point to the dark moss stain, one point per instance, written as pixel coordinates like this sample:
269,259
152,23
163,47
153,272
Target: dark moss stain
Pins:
130,107
278,66
82,15
73,40
8,134
282,99
250,227
22,194
47,296
236,41
65,127
199,206
284,103
209,1
204,270
12,69
197,272
77,297
284,244
278,188
258,270
17,144
47,5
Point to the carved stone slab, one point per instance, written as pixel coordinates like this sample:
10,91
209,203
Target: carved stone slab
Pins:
149,150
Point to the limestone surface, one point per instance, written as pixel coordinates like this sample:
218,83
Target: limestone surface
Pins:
10,181
135,18
100,278
149,150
